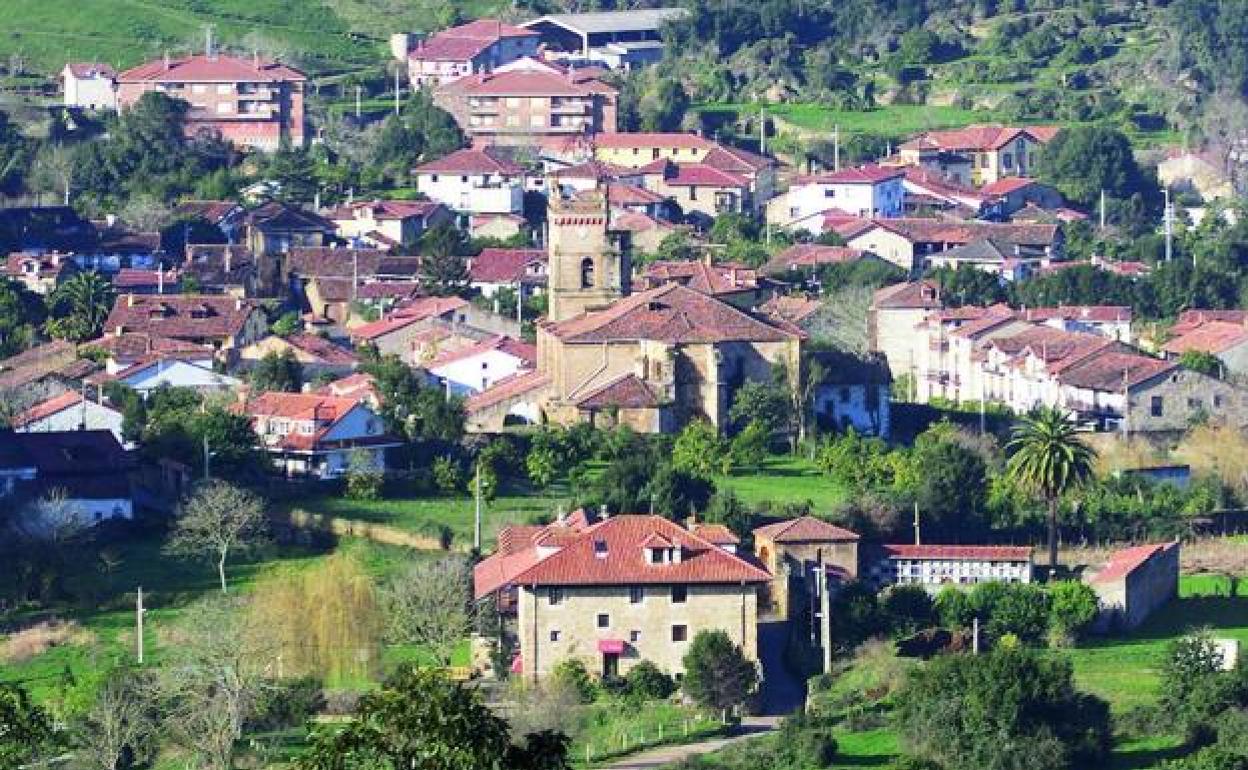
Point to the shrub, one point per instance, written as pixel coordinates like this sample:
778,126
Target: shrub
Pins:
287,704
448,475
717,673
645,681
1074,607
1021,610
571,674
805,741
955,607
907,609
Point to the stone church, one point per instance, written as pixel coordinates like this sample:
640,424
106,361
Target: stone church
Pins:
652,360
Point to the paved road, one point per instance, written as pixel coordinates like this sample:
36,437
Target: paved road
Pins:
667,755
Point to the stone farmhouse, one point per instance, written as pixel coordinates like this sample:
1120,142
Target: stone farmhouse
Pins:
1135,583
988,152
614,590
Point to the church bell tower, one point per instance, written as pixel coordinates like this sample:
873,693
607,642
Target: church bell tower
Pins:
589,264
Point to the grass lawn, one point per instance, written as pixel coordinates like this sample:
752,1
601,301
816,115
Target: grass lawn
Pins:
894,120
873,748
612,730
786,480
1125,670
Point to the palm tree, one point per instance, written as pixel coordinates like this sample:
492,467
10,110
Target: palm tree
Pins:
1048,458
80,307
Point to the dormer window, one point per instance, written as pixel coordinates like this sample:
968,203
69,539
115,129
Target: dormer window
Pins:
657,555
600,549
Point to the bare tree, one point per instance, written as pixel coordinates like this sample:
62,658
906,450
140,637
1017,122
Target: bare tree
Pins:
209,687
428,604
218,520
54,170
15,399
146,214
121,724
842,319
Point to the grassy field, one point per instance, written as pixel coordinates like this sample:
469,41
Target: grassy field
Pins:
1125,671
786,480
896,120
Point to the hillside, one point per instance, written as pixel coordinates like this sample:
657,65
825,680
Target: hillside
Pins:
324,36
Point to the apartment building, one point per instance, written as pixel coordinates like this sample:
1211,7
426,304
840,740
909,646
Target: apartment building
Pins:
252,102
530,103
478,46
474,181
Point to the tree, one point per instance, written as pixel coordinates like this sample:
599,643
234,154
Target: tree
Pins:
1201,361
952,483
277,372
26,731
908,608
717,673
286,325
1021,610
767,403
698,450
294,172
663,106
644,681
21,314
676,494
1081,161
1048,458
364,478
1073,608
438,129
1193,685
80,306
210,684
119,729
443,271
421,719
749,447
219,520
429,604
1009,708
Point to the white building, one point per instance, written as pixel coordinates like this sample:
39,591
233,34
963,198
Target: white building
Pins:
175,373
477,367
91,86
66,412
936,566
865,191
76,477
474,181
309,434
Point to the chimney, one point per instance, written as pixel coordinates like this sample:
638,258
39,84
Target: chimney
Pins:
238,303
603,513
228,255
130,300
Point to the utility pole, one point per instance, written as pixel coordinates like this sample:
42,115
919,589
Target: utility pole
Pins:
762,130
138,625
1168,224
207,455
1102,209
358,107
975,635
825,611
520,304
836,148
396,90
476,524
918,539
355,275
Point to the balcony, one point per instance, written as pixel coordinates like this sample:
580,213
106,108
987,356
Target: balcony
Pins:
571,108
257,95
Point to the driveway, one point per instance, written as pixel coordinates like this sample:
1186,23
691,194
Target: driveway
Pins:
663,756
782,692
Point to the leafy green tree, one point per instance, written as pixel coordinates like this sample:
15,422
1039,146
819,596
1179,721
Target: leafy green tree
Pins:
1201,361
571,674
80,306
766,403
718,675
439,132
1021,610
26,731
856,616
16,153
749,447
644,682
280,372
908,608
1073,608
954,607
443,269
542,464
364,478
21,314
1081,161
294,172
1009,708
409,408
663,106
421,719
698,450
726,508
951,484
1048,458
676,494
1194,689
286,325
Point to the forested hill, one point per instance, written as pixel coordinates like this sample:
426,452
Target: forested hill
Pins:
1151,65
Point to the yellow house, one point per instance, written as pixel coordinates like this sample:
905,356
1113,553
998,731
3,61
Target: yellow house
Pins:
994,152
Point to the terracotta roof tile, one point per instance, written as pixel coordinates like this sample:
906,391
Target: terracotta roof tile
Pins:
805,529
217,68
865,174
648,139
494,265
322,349
802,255
181,316
44,409
712,279
473,160
1128,560
911,295
521,82
505,389
625,392
670,313
502,343
1113,371
1209,337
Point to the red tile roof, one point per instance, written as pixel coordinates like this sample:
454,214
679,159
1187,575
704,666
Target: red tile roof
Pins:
384,210
1090,313
1007,185
712,279
736,160
963,232
632,195
802,255
637,222
494,265
211,211
933,182
670,313
1123,563
181,316
1111,372
472,160
805,529
1209,337
520,82
381,327
715,533
593,169
702,175
865,174
91,69
791,308
649,139
421,308
960,552
358,386
466,41
502,343
612,552
131,346
916,295
130,278
978,137
625,392
322,349
300,406
506,389
45,409
219,68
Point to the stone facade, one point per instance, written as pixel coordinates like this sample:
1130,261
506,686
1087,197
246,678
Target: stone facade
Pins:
1135,583
590,265
656,628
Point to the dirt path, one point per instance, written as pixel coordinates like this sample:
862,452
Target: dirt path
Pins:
663,756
